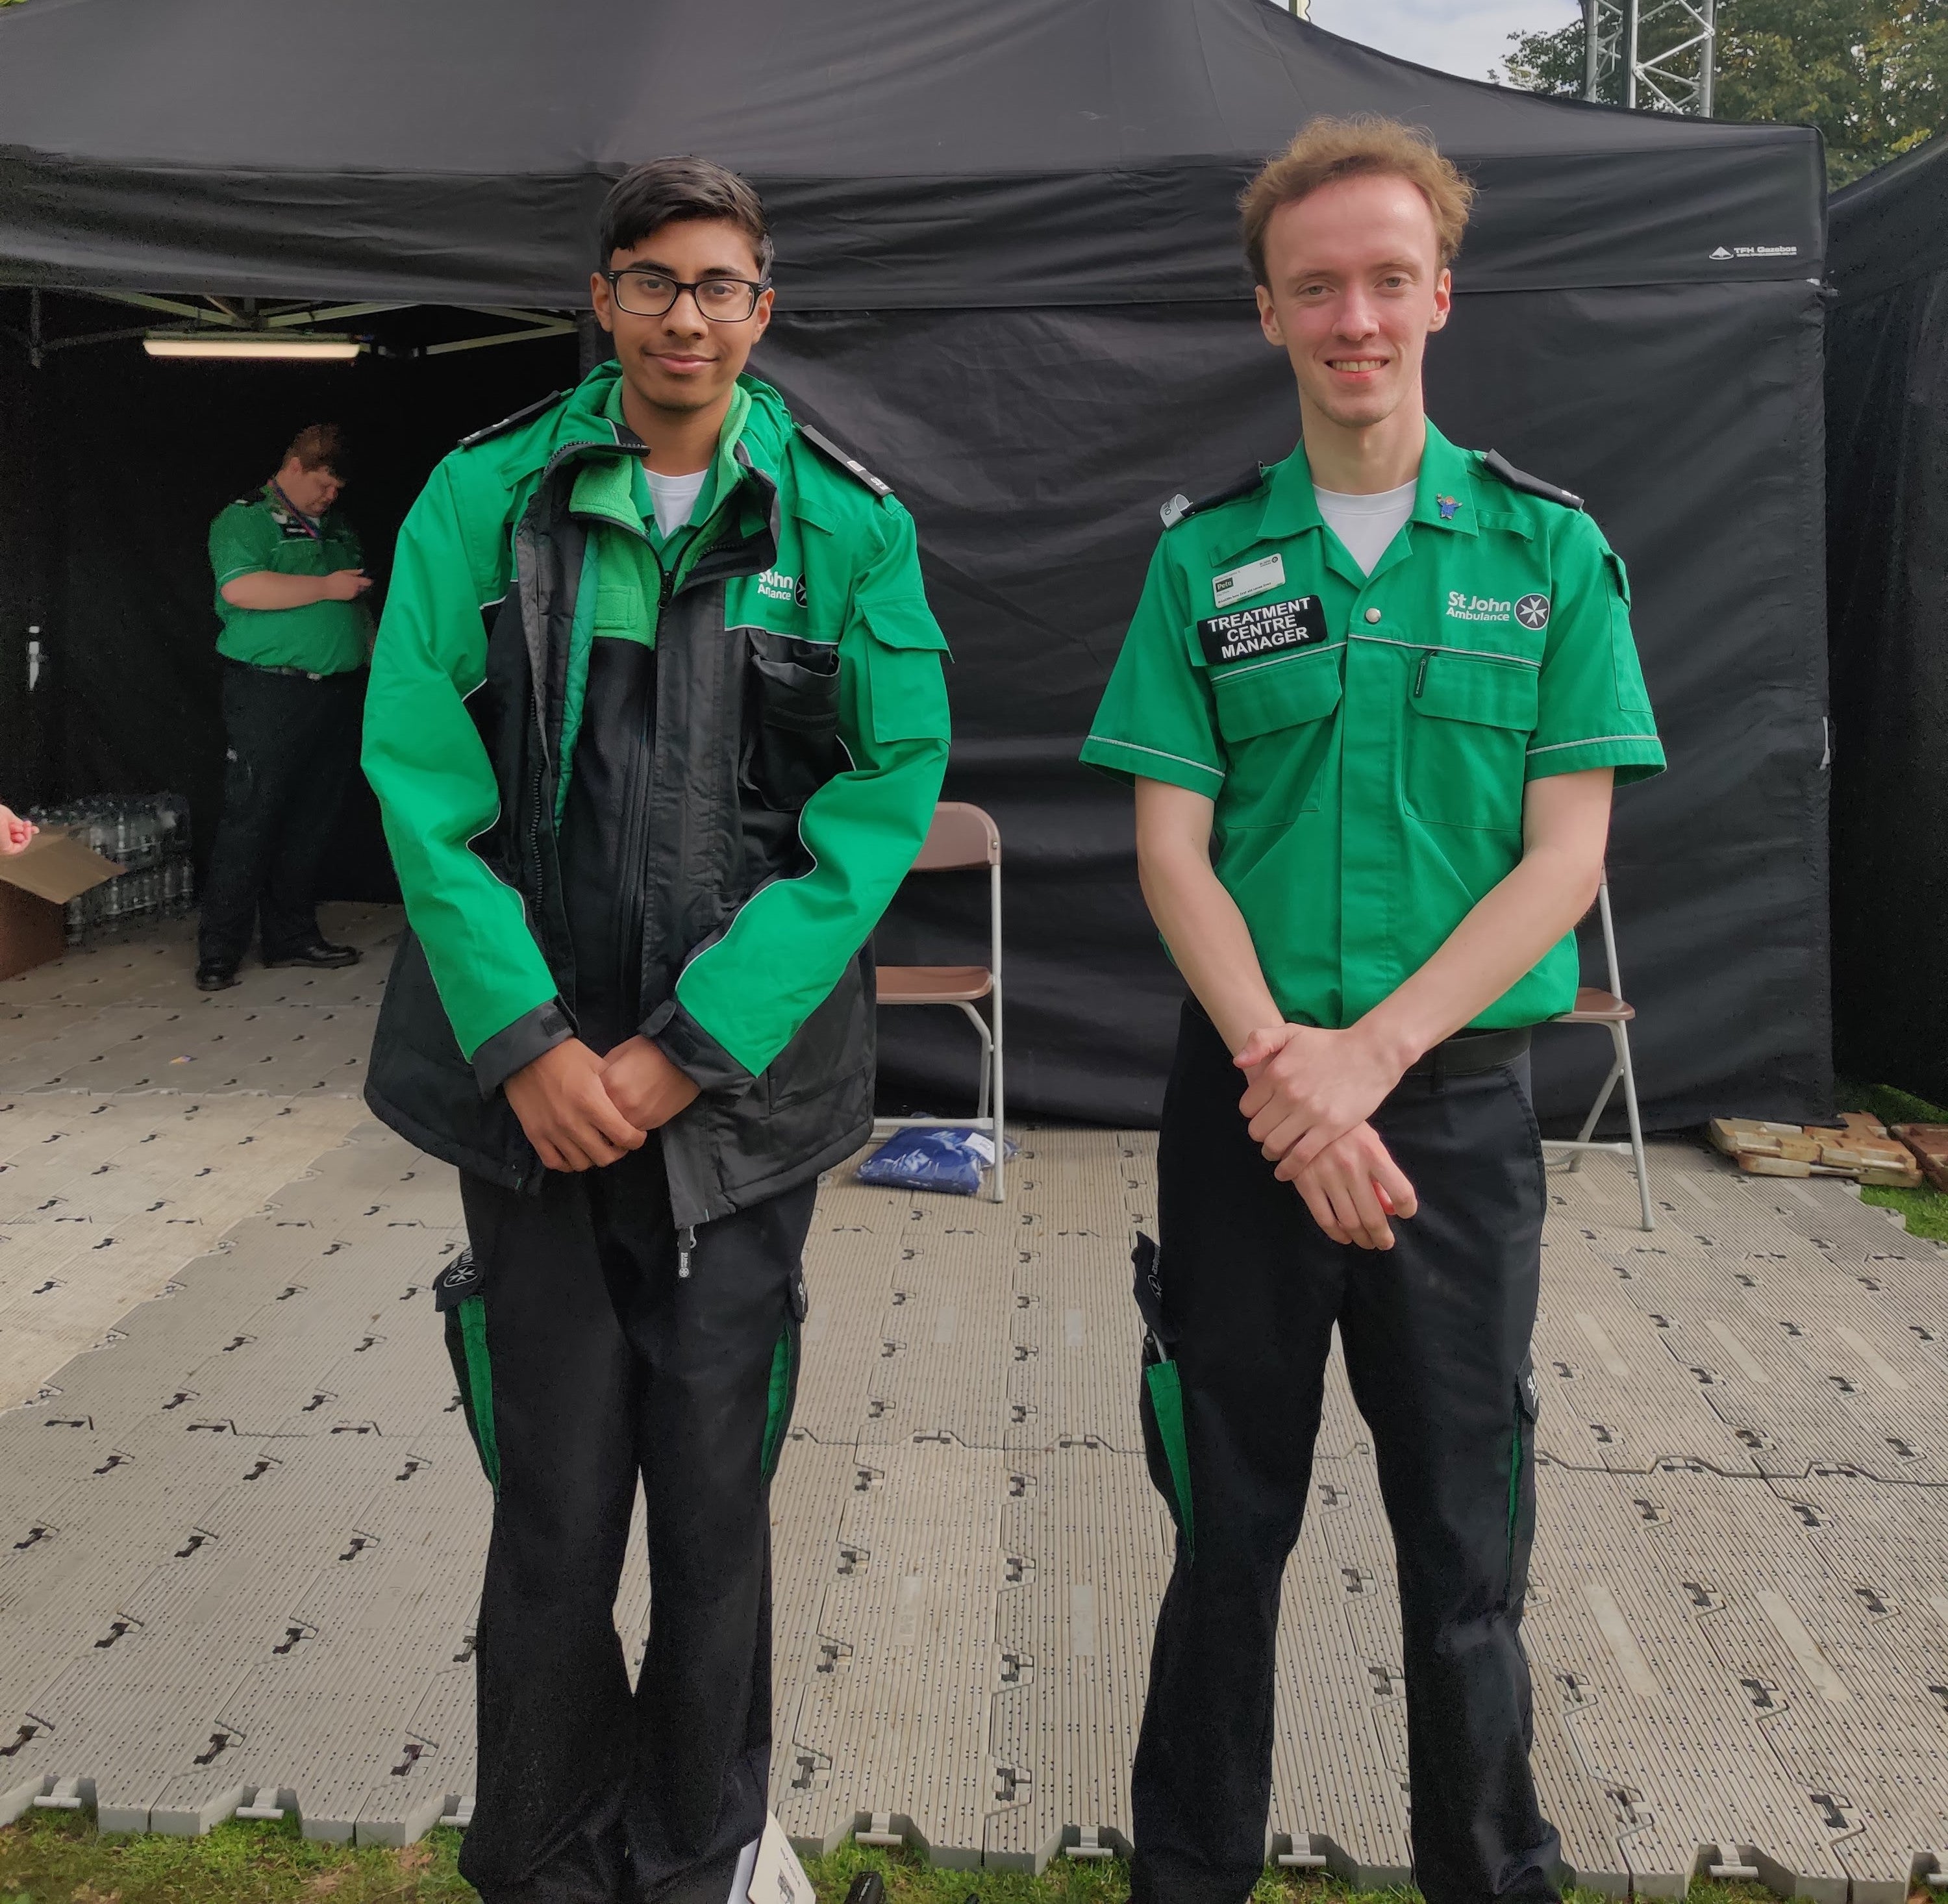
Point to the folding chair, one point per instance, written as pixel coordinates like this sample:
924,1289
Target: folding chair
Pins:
1609,1010
962,838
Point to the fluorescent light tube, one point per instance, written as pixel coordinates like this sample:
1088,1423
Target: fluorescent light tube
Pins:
253,344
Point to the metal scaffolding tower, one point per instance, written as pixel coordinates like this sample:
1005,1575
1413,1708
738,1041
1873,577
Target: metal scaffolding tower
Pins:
1658,55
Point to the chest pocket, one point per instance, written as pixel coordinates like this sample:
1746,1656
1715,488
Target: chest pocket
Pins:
792,745
1277,720
1468,723
299,555
622,614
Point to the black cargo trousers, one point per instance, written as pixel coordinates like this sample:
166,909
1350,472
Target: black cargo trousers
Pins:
1436,1332
291,754
584,1363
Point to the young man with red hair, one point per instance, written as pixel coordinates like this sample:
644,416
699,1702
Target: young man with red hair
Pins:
1373,701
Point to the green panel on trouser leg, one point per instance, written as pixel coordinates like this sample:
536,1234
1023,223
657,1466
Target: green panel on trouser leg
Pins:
778,1413
477,1385
1166,1392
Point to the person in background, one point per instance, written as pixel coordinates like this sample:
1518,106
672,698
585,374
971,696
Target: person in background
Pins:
297,636
15,832
1373,703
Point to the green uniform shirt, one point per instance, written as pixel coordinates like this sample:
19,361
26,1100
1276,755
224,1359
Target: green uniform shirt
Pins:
260,533
1366,740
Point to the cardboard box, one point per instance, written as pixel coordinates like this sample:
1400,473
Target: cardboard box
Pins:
35,886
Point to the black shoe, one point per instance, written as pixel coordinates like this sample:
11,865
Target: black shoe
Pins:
216,977
320,953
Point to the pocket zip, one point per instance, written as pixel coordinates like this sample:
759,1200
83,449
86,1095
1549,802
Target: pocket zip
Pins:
1420,673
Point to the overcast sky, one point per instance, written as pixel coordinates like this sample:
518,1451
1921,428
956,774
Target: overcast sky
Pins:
1465,36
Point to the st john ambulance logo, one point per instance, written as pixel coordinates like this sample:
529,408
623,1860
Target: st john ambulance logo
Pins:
777,587
1532,611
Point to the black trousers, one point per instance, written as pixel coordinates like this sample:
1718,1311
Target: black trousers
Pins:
1436,1334
292,749
586,1363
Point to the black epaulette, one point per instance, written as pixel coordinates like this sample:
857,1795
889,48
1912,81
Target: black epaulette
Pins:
1180,507
851,464
514,422
1498,465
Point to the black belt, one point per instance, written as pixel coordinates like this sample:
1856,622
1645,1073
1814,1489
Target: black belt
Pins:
302,674
1468,1053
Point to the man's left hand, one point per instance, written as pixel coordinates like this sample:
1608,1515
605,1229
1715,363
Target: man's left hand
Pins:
644,1086
1353,1187
1308,1088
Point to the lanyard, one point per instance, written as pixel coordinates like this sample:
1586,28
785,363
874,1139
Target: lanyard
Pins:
310,528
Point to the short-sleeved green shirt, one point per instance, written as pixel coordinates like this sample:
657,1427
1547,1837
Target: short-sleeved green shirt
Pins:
260,533
1366,739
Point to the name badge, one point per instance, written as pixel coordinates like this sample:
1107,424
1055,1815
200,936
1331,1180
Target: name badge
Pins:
1265,630
1254,578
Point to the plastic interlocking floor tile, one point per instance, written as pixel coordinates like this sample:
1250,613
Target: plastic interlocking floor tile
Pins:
241,1522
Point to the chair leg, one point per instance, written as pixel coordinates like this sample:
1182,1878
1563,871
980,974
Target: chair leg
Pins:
1000,1117
1597,1110
990,1084
1623,1041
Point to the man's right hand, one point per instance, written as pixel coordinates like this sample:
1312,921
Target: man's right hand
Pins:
1353,1186
566,1110
345,585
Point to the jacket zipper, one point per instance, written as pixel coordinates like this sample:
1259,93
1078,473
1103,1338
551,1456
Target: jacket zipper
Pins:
687,1236
666,594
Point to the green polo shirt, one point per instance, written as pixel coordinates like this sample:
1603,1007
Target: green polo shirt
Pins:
260,533
1366,739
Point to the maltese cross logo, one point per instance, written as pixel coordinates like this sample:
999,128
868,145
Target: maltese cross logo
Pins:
1532,611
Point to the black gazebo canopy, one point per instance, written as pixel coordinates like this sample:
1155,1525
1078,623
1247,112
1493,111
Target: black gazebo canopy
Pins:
1008,279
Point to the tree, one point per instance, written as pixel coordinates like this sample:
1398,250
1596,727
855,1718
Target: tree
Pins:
1872,74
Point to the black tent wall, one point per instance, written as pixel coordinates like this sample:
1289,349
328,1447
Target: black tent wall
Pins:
1886,395
28,737
1717,870
1007,281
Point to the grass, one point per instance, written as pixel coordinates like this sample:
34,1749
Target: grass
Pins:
59,1857
1925,1209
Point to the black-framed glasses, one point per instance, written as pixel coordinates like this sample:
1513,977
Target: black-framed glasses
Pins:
652,293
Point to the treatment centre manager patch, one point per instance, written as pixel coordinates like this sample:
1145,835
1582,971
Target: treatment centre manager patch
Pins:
1264,630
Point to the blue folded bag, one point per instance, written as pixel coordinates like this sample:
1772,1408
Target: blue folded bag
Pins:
931,1160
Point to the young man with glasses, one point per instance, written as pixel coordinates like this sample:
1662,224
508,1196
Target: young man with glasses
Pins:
657,724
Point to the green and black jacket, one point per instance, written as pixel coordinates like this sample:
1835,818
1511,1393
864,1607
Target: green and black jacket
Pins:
787,776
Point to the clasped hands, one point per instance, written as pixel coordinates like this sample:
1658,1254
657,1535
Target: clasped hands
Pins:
1308,1098
581,1111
